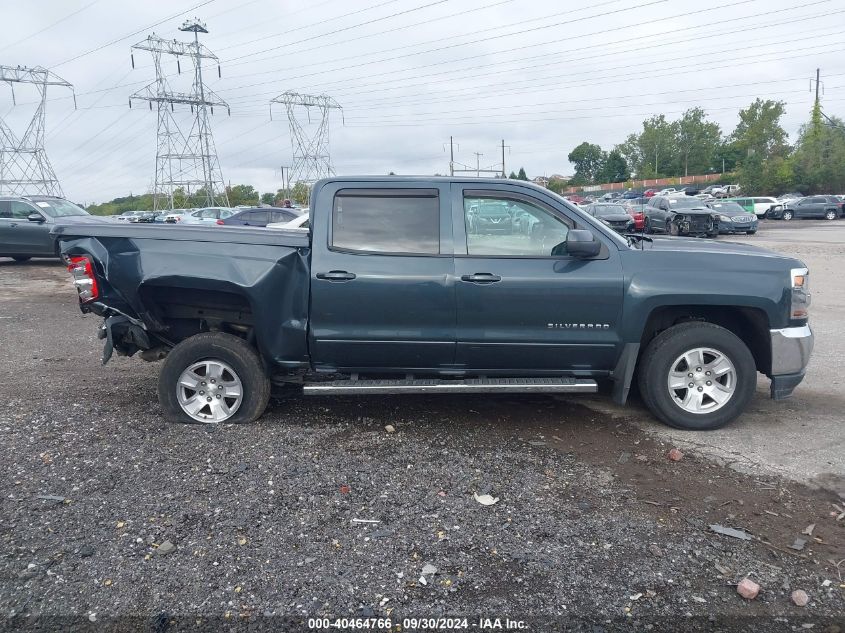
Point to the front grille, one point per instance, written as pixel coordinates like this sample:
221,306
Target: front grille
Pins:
698,223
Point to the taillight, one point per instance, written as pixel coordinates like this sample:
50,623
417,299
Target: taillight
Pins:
220,222
83,278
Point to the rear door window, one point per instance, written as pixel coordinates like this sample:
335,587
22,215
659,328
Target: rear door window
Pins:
405,221
258,217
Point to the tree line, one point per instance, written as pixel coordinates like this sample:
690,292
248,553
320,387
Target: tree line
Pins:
238,195
756,153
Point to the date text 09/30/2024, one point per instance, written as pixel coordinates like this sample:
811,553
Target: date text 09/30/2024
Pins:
417,624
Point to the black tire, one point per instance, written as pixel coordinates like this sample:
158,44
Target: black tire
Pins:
750,232
787,215
671,228
230,349
19,258
656,363
647,227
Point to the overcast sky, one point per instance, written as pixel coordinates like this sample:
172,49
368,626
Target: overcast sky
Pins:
543,75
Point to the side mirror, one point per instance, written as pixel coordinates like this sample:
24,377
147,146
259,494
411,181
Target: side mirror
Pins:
581,243
35,217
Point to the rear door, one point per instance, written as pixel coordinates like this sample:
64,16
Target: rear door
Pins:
811,207
18,235
522,310
382,278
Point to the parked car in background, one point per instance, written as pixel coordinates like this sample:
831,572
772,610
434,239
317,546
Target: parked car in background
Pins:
725,191
207,215
258,216
810,207
26,221
489,217
176,215
576,199
759,206
146,217
635,207
613,215
300,223
648,193
127,216
734,218
680,215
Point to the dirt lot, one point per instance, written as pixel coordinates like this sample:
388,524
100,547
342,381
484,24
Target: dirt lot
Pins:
318,511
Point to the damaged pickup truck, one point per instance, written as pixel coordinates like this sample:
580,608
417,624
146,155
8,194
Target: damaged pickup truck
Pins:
392,292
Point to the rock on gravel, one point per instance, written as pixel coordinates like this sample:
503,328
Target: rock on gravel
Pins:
748,589
675,455
800,598
166,548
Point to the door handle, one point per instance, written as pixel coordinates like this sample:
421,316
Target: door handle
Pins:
481,278
11,224
336,275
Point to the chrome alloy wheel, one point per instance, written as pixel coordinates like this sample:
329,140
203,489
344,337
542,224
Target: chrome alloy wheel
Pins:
702,380
209,391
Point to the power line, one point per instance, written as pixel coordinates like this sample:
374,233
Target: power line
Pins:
50,26
133,33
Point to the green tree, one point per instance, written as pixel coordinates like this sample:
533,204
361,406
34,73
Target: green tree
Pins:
759,131
697,141
557,185
522,175
614,168
300,193
819,158
588,160
513,176
268,198
657,148
242,195
631,151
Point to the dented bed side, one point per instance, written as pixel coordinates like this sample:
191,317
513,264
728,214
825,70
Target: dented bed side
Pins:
159,279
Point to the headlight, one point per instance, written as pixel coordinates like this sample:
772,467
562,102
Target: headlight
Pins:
725,218
800,279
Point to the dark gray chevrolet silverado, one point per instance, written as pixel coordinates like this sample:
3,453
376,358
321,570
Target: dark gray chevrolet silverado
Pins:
390,292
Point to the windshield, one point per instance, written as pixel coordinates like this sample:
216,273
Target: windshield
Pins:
604,210
685,203
59,208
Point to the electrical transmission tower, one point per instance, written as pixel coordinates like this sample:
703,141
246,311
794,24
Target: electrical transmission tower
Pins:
24,166
183,161
311,157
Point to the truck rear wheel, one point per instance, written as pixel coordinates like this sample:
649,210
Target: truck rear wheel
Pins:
212,378
697,376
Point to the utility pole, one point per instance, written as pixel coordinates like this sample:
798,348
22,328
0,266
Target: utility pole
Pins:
183,161
451,157
24,166
285,182
818,71
478,156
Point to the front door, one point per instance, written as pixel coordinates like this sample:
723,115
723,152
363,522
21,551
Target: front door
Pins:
382,284
523,304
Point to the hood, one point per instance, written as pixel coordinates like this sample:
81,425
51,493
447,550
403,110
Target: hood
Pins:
79,219
616,217
720,247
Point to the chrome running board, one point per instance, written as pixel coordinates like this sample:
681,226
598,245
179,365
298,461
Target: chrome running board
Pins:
473,385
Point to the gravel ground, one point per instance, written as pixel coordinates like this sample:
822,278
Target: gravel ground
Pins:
317,510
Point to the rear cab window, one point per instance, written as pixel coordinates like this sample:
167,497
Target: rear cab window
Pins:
388,221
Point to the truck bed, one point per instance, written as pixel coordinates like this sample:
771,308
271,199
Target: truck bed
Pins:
176,279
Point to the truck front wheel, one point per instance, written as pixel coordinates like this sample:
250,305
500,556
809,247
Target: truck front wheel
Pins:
697,376
211,378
